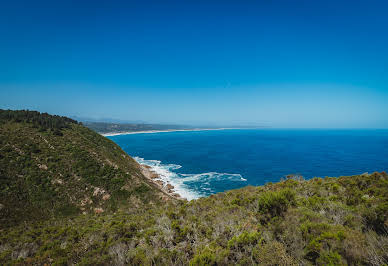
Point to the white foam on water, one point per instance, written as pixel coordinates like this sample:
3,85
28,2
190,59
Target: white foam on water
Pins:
213,176
169,177
166,174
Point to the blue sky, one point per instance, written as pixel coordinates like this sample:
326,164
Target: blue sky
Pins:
273,63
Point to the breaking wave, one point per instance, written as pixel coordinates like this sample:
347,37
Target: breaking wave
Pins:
189,186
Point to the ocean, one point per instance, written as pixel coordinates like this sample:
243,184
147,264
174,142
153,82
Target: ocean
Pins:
200,163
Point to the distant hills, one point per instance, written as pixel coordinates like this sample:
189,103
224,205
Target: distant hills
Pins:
107,125
104,127
71,196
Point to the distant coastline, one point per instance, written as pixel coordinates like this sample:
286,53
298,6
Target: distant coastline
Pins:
110,134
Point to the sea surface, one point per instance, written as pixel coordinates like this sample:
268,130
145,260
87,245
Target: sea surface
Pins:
200,163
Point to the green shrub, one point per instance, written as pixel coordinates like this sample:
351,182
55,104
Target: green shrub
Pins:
315,202
275,203
376,218
330,259
138,257
244,239
205,257
313,249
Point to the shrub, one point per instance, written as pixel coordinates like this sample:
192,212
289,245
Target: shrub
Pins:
315,202
375,218
275,203
272,253
330,258
138,256
244,239
204,258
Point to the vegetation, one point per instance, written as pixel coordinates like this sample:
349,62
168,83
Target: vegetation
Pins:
322,221
45,174
42,121
102,127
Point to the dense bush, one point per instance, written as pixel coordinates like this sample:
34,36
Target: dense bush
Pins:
276,202
63,171
43,121
52,211
301,228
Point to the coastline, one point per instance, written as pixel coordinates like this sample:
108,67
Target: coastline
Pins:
172,183
111,134
156,179
175,184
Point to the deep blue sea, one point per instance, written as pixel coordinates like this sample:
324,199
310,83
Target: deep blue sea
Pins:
199,163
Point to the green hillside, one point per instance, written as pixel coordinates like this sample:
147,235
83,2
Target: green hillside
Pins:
51,166
52,169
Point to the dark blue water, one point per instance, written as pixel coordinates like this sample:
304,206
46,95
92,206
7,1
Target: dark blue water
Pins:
205,162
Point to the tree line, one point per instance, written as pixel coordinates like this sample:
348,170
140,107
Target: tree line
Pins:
43,121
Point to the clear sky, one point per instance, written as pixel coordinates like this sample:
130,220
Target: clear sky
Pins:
275,63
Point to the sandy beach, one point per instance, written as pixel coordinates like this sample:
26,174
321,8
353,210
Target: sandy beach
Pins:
163,131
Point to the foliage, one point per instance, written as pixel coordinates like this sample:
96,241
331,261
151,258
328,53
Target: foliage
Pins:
43,121
276,202
215,231
45,180
46,174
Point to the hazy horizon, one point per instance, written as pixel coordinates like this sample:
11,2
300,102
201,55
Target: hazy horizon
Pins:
314,64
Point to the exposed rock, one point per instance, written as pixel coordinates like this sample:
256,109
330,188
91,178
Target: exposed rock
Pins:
154,175
63,245
17,150
57,181
98,210
106,197
170,188
86,201
164,198
176,195
98,191
43,166
111,164
145,169
159,182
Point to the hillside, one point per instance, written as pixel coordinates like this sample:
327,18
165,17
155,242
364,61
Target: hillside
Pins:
331,221
52,166
55,168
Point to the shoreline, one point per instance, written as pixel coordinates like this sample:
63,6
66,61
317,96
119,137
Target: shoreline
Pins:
156,179
111,134
166,179
173,184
